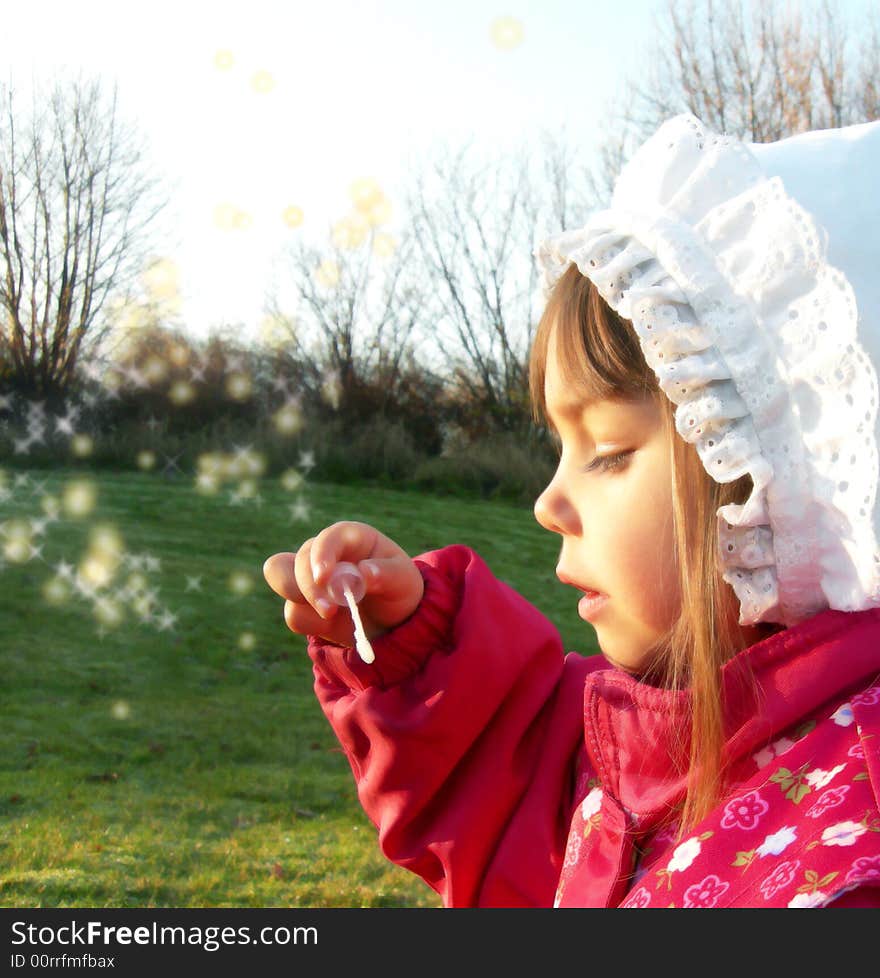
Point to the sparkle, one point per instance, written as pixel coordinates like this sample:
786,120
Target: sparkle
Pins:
223,60
307,460
166,621
299,511
247,641
146,460
193,583
64,425
171,466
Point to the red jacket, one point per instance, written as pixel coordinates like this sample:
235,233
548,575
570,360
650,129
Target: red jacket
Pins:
506,773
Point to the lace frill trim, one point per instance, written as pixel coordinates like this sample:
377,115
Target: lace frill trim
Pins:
727,289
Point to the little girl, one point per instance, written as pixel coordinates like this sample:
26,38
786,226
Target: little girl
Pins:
706,361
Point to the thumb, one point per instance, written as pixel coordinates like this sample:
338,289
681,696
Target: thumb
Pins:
394,588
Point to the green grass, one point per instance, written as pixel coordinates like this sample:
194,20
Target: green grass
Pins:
190,766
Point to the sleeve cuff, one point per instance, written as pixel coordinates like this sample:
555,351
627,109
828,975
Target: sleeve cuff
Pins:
401,652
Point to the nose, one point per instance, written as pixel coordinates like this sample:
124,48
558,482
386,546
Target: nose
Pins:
553,510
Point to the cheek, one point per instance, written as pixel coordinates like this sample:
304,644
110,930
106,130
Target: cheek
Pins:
648,558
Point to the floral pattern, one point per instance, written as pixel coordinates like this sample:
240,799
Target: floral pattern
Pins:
827,800
789,866
781,877
744,812
797,831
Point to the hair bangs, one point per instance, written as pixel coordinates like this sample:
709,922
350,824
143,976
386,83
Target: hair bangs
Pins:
598,352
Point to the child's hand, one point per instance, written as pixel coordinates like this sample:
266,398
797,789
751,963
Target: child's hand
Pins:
394,586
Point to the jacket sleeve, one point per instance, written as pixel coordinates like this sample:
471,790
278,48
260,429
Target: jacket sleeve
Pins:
464,735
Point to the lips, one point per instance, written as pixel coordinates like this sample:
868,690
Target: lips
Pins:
588,591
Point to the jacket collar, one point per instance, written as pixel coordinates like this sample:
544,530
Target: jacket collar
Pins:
635,731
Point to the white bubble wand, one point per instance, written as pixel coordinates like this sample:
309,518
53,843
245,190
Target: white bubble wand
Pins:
346,586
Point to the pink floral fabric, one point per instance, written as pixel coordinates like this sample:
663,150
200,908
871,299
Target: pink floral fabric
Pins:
799,831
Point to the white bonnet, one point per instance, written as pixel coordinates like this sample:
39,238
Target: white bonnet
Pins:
751,274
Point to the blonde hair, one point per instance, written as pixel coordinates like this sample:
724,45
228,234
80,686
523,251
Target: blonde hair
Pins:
599,354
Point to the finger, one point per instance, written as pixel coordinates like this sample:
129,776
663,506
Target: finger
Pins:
341,541
316,596
278,570
387,575
304,620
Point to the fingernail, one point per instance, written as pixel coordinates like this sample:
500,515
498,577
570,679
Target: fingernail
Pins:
324,607
371,569
318,568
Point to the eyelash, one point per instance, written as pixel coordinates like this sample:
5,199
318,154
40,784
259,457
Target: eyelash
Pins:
607,463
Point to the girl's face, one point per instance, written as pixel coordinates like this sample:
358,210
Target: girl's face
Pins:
611,502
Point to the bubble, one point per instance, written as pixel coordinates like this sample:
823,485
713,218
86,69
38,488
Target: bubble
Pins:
56,590
350,232
291,480
120,710
247,489
82,445
106,539
262,82
146,460
17,542
96,570
155,370
207,484
506,33
327,273
179,355
162,280
108,612
247,641
293,216
51,506
240,583
384,245
79,498
224,60
229,217
288,419
136,583
239,386
181,392
365,192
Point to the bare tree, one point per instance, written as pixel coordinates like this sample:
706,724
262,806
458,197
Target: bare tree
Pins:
77,204
476,224
356,319
761,70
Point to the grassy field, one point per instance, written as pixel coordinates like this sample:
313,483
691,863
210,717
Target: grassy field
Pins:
161,745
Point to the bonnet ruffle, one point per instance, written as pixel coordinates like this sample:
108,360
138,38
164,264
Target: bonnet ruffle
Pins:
754,336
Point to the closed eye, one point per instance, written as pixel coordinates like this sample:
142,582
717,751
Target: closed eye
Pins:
608,463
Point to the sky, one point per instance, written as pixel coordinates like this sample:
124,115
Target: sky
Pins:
262,116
